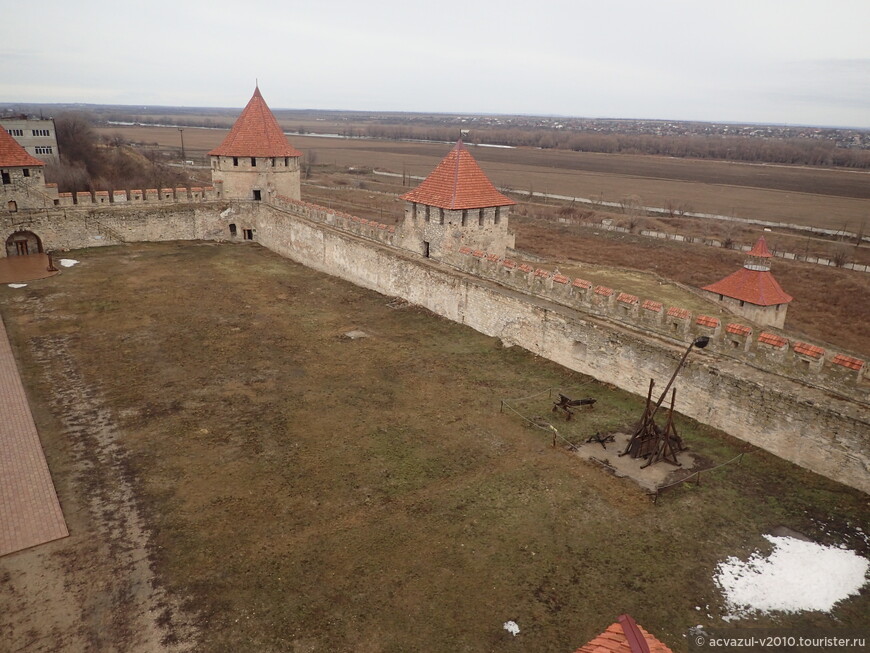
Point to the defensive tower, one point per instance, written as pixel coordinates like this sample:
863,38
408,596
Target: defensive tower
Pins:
456,205
752,291
255,160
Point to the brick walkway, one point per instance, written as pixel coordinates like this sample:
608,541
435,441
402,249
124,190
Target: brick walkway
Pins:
29,510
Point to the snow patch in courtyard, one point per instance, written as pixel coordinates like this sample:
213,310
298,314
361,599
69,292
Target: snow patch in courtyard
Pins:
512,627
17,285
796,576
68,262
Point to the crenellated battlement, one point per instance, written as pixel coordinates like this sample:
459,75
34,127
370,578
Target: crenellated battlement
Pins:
748,343
179,195
371,229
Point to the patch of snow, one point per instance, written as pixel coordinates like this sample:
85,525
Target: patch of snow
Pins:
795,577
227,212
68,262
354,335
512,627
17,285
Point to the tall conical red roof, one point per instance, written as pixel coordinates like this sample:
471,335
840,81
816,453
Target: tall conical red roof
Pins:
13,155
625,636
256,133
760,250
458,183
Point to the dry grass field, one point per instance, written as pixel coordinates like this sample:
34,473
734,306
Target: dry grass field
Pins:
298,490
806,196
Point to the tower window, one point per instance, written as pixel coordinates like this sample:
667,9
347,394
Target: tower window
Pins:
464,217
273,161
253,162
235,161
440,216
26,172
480,218
286,161
427,212
497,214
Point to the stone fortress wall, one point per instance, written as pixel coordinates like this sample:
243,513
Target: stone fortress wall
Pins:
797,400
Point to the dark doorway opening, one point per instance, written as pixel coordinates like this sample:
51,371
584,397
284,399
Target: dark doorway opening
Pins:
23,243
5,176
257,196
248,234
233,230
426,249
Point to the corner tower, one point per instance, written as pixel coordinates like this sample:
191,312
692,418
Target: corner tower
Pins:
752,291
256,160
456,205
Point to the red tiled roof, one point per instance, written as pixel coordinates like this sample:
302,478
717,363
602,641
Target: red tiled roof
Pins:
525,267
457,183
650,305
560,278
760,250
848,361
625,298
706,320
508,263
604,291
582,283
772,339
738,329
681,313
616,640
808,350
13,155
754,286
256,133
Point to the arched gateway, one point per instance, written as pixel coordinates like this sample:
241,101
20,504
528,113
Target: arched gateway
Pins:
23,243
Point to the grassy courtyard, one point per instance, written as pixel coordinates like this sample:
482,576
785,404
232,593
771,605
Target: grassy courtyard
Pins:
307,491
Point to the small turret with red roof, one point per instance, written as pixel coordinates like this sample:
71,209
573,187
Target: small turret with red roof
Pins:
456,205
752,291
255,159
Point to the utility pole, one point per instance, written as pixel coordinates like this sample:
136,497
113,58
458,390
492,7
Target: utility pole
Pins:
183,156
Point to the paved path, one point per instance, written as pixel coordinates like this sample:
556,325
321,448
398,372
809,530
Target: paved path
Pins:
30,513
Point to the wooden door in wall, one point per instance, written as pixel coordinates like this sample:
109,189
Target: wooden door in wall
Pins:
21,248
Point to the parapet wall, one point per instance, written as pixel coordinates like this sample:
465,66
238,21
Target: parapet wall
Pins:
765,350
181,195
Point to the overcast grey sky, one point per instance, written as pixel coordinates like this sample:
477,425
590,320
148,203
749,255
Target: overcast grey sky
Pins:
781,61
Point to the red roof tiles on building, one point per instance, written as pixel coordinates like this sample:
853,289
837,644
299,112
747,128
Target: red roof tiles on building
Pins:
560,278
255,133
604,291
625,298
848,361
625,636
808,350
12,155
457,183
706,320
650,305
754,286
508,263
772,339
680,313
582,283
738,329
760,249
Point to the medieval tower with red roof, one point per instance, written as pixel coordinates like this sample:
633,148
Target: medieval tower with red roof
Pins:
22,183
752,291
255,160
455,206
